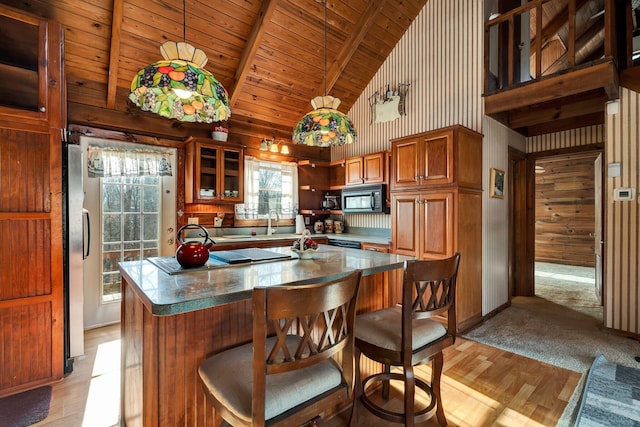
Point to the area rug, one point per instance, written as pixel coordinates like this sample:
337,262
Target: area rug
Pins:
24,409
611,396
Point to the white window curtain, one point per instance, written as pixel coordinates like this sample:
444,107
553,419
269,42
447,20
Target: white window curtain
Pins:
254,170
113,162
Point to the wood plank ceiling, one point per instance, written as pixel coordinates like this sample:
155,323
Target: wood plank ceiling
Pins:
268,54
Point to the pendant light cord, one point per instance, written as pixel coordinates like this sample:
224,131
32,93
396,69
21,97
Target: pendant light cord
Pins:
184,21
325,48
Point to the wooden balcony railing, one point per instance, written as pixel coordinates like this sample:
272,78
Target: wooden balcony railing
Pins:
518,48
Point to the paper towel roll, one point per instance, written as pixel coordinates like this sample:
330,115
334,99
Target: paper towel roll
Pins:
299,224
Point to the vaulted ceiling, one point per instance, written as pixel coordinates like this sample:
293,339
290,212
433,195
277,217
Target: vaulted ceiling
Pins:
269,55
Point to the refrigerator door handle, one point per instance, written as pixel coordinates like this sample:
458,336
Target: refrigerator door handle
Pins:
86,242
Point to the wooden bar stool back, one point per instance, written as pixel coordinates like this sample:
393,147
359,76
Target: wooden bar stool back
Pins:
287,375
409,336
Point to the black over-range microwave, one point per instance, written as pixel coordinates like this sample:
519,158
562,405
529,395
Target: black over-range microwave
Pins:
369,198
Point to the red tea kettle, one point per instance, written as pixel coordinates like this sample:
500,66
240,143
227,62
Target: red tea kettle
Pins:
193,254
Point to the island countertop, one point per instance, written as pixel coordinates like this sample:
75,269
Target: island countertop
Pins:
164,294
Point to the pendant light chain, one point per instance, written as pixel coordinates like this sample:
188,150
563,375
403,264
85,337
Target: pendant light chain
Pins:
325,47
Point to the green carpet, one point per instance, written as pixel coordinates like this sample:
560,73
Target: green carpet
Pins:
611,396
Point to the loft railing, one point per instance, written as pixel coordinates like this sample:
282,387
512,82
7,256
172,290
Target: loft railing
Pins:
519,49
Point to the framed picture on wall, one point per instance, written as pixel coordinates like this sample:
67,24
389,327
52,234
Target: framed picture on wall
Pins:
497,183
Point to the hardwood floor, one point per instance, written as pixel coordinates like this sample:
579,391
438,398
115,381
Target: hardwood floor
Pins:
482,386
90,395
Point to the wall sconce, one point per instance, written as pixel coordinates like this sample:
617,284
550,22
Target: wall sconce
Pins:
274,146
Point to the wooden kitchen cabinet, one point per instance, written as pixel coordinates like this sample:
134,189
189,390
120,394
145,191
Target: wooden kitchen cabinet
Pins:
447,156
213,173
369,169
436,225
440,213
32,117
25,73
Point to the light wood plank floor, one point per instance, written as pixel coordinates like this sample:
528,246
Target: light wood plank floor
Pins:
482,386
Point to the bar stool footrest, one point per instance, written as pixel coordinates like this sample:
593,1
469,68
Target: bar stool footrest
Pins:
397,417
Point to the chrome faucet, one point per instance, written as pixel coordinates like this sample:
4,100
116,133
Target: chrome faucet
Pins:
270,230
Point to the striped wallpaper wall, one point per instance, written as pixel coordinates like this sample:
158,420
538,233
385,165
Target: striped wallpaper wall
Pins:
495,215
442,64
445,84
441,56
622,227
566,139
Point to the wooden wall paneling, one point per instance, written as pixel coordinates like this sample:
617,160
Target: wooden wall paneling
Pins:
565,216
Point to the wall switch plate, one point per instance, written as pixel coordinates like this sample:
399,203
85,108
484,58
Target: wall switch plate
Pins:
193,220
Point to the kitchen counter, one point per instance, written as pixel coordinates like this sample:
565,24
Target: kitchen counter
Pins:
164,294
290,237
171,323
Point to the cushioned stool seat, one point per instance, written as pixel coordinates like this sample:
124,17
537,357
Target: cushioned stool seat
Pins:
229,380
288,375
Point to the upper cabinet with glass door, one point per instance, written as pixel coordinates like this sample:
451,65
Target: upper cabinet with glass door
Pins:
27,56
213,173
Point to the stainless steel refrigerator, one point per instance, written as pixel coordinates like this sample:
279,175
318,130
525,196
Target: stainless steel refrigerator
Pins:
76,249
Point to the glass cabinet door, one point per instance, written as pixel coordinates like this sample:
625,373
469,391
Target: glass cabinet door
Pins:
232,183
208,173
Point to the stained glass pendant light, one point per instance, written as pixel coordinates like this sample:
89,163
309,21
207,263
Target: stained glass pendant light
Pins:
325,126
178,87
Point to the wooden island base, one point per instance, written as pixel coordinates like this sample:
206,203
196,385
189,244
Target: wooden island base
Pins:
161,354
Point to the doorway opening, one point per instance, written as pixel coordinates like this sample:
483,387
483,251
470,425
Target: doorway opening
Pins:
568,231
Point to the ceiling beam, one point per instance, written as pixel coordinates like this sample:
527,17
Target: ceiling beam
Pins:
138,122
366,21
251,48
630,78
599,76
535,116
114,53
566,124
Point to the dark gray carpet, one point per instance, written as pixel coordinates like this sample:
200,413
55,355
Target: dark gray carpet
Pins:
611,396
24,409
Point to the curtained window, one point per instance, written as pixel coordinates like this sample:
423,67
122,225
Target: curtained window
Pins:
115,162
269,186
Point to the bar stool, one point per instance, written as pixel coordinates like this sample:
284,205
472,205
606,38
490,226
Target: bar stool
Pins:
407,337
287,375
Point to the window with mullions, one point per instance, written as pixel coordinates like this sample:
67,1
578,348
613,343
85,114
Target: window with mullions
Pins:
130,226
269,186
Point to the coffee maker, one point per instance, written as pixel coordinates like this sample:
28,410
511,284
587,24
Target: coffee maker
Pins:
330,202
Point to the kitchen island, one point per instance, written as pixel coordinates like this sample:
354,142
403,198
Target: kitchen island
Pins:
172,322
